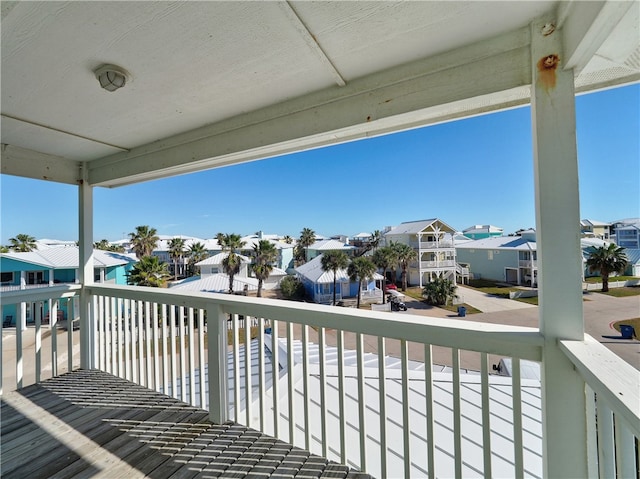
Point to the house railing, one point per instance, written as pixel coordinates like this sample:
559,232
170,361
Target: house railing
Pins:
5,288
288,377
444,244
527,263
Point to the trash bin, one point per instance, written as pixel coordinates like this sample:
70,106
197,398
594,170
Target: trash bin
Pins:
627,331
462,311
267,331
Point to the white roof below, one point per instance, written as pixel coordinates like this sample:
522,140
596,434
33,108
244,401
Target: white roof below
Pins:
218,258
415,227
329,245
312,270
215,283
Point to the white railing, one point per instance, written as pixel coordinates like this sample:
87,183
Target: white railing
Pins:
360,387
31,354
527,263
425,245
445,263
5,288
299,389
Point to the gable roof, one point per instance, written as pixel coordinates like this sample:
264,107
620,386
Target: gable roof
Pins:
215,283
68,257
414,227
313,271
329,245
218,258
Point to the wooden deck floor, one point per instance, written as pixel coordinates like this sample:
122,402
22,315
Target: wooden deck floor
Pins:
92,424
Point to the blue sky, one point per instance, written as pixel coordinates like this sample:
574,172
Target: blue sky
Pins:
474,171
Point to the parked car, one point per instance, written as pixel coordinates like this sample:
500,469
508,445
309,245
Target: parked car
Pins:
389,286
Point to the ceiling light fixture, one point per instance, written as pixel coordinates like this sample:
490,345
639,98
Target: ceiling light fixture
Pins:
111,77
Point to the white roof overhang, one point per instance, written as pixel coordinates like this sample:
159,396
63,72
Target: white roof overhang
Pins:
218,83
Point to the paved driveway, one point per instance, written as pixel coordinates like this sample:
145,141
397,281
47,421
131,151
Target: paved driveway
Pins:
487,303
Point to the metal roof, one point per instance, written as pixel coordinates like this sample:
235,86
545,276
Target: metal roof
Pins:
415,227
68,257
312,270
215,283
218,258
329,245
240,81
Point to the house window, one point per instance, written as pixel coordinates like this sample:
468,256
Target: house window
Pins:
325,288
6,277
490,255
35,277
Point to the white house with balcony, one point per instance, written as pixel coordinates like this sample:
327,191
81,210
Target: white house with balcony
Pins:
432,240
81,83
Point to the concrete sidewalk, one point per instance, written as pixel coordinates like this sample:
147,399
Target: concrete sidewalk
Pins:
488,303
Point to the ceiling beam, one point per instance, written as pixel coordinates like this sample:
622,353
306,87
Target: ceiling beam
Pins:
586,26
407,96
27,163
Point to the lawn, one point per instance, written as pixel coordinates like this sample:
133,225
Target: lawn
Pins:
415,292
622,292
492,287
598,279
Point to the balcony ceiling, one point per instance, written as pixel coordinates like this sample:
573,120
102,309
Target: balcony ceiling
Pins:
216,83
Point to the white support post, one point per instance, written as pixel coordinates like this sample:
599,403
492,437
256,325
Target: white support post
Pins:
217,367
558,245
85,223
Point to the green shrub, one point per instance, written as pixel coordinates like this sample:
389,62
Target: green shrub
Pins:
292,288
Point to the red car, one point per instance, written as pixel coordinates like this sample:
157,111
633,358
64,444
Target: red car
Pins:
389,286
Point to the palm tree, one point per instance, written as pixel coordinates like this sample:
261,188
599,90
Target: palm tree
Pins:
361,269
375,240
149,271
231,243
607,259
393,260
265,253
196,253
104,245
438,291
176,252
144,240
406,254
307,238
23,243
384,258
287,239
333,261
4,249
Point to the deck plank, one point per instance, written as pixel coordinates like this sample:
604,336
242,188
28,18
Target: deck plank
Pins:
93,424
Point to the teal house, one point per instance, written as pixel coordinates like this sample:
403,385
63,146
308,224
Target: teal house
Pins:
51,267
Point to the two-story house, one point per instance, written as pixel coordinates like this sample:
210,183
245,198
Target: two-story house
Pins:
53,266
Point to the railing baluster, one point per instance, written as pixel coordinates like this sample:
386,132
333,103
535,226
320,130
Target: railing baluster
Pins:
128,346
192,360
625,449
201,359
605,440
140,319
275,374
134,341
172,350
236,368
247,370
261,372
38,318
382,400
101,332
54,336
183,359
457,430
592,433
156,349
165,349
341,394
486,414
291,382
406,425
1,356
19,352
97,317
148,319
428,392
70,321
323,381
516,392
305,385
362,401
114,332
